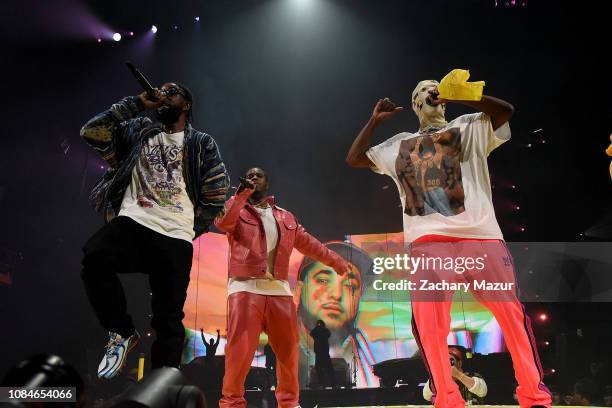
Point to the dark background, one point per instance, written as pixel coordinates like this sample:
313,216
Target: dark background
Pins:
286,85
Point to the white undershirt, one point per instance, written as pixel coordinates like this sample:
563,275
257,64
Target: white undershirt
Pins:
258,286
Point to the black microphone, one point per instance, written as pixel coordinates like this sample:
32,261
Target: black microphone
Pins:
244,183
146,85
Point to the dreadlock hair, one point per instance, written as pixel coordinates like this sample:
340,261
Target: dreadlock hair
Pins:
189,98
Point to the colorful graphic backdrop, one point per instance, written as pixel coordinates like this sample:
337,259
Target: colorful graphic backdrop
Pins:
379,331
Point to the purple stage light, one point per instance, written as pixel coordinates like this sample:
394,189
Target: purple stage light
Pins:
131,33
153,29
99,39
65,19
197,19
117,37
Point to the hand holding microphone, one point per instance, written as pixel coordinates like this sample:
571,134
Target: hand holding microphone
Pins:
245,184
151,98
149,103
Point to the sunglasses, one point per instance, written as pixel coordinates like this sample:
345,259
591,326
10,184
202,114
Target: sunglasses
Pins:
170,92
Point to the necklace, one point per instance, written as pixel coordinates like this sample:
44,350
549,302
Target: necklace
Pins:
263,204
431,128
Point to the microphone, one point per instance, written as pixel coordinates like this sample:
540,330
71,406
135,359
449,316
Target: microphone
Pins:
244,183
146,85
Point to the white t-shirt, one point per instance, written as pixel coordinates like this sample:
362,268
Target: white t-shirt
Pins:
443,177
157,197
264,286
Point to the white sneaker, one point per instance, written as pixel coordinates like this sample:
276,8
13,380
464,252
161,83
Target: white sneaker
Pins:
116,350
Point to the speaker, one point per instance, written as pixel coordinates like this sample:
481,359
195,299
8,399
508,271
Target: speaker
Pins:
342,372
205,375
163,388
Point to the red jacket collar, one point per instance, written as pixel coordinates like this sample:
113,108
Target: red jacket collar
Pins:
269,199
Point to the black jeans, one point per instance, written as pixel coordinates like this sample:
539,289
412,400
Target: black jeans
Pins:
323,364
124,246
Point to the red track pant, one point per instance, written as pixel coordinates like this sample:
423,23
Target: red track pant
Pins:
248,315
431,322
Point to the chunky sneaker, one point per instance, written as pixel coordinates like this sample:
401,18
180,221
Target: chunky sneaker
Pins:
116,350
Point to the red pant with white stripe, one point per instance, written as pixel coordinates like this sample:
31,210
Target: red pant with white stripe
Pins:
248,315
431,318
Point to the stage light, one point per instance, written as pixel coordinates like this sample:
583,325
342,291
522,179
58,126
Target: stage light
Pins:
175,27
516,207
197,19
99,39
131,33
547,343
522,229
552,370
529,145
513,186
543,317
153,29
117,37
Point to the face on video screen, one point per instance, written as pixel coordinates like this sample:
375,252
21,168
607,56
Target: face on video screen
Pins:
328,296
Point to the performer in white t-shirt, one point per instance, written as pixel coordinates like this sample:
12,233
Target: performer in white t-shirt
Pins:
442,176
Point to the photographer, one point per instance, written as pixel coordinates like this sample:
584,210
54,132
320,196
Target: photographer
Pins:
472,386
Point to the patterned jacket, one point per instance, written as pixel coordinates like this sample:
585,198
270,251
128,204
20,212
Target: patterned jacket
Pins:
118,135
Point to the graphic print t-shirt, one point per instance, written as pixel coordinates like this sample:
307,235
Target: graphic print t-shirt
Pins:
157,196
443,177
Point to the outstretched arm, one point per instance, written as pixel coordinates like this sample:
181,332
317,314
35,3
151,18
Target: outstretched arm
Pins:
499,110
218,337
356,156
313,248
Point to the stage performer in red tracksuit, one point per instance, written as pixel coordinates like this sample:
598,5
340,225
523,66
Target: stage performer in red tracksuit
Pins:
442,175
261,238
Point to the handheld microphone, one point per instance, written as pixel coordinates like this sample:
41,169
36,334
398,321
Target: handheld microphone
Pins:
244,183
146,85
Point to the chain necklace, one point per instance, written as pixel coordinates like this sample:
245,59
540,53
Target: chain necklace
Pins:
430,129
263,204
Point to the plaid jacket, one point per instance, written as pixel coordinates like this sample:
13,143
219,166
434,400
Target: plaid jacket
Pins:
118,135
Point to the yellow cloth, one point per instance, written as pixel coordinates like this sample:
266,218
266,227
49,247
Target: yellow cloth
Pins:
454,87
